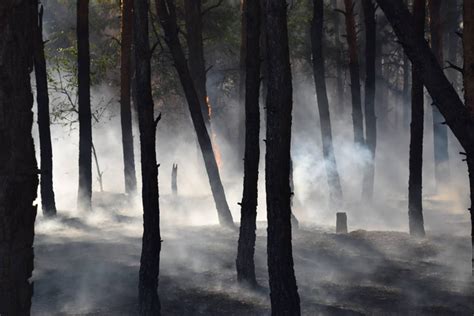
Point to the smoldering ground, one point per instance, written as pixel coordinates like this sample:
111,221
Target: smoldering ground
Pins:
87,264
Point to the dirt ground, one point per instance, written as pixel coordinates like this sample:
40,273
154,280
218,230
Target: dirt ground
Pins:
89,266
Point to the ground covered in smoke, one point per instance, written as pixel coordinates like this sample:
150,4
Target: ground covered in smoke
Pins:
89,266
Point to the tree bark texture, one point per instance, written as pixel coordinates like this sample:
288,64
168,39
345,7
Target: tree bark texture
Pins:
339,60
357,119
335,190
48,203
456,115
246,245
370,119
18,168
125,98
84,195
167,16
440,131
283,289
415,178
149,302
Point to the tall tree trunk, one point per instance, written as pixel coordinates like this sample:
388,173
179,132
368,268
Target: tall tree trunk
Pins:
440,131
357,118
48,203
283,290
125,90
406,92
246,246
468,48
167,16
457,115
18,168
415,178
149,302
196,61
453,40
242,81
84,195
339,60
370,119
335,189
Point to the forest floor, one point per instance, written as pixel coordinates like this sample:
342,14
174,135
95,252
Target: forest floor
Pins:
89,266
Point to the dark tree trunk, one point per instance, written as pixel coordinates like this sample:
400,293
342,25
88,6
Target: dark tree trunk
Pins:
196,61
457,115
440,131
283,290
167,16
335,190
84,195
149,302
246,246
125,89
468,48
48,203
242,82
339,59
357,118
415,178
406,92
453,40
18,168
370,119
174,180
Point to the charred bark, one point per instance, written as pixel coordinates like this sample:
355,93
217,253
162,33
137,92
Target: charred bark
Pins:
196,61
339,59
125,104
283,290
48,203
246,246
334,183
84,195
457,115
354,69
149,302
242,80
440,131
18,168
415,178
167,16
370,119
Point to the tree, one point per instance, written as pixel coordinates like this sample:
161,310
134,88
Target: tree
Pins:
339,58
415,178
440,131
125,89
334,183
84,196
167,14
457,116
18,168
246,246
242,81
283,290
149,302
354,71
370,119
48,203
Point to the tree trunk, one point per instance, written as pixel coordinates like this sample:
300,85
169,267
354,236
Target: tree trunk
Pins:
166,14
339,59
149,302
125,89
468,48
84,195
440,131
242,65
196,61
48,203
457,116
415,178
18,168
357,118
246,247
335,190
283,290
174,180
370,119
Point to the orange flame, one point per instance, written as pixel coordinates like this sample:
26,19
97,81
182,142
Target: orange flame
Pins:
215,146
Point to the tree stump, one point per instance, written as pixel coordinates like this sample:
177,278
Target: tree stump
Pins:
174,179
341,223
